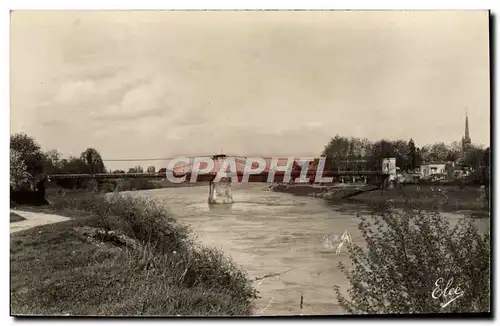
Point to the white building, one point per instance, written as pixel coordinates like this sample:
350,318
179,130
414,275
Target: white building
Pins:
427,170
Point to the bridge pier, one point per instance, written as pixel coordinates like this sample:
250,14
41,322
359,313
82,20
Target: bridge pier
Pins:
220,192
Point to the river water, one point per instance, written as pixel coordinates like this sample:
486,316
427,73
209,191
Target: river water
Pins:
269,232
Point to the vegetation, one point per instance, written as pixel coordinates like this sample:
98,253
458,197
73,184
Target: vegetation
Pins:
93,161
29,152
406,253
127,257
408,156
16,217
17,169
27,156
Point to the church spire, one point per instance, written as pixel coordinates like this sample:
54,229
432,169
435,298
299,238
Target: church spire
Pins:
467,127
466,142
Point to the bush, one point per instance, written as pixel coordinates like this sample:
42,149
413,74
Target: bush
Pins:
407,252
135,184
142,219
17,169
195,279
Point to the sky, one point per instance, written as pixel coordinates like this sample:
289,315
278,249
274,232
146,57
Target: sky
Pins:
154,84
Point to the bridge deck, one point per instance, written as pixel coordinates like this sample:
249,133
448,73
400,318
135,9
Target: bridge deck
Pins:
260,177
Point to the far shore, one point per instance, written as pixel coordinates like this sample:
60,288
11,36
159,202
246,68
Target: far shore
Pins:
444,197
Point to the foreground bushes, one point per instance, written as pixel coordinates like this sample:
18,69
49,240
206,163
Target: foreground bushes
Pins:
406,253
166,274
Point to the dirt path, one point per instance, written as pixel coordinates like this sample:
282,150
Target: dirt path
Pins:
33,219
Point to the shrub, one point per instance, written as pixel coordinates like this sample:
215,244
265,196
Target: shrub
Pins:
135,184
168,247
17,169
406,253
75,268
145,220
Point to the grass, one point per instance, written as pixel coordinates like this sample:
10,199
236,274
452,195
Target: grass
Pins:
16,217
467,198
70,203
159,270
424,196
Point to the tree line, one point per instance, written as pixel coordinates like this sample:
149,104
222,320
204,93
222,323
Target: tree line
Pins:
408,155
28,162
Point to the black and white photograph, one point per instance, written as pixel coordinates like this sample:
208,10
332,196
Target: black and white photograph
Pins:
250,163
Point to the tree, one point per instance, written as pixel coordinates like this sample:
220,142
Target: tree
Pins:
52,161
402,154
474,157
29,151
407,253
337,150
438,152
345,149
17,169
413,159
93,160
74,165
151,169
454,151
136,169
380,150
486,157
425,152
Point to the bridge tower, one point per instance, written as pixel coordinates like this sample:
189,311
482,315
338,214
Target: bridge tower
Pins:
390,172
220,191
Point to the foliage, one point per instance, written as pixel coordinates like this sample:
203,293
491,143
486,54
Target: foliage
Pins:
17,169
407,252
474,157
93,160
408,155
413,155
29,151
136,169
167,274
52,162
135,184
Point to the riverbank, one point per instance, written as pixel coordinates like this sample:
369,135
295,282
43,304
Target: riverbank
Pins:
126,256
445,198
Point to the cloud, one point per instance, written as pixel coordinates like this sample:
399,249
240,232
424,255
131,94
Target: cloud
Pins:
149,84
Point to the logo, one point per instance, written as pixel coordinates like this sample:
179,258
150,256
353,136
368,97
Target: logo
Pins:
448,294
301,170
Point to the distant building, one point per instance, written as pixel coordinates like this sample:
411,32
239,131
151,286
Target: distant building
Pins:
429,169
466,141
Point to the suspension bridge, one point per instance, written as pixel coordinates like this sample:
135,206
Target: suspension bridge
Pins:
219,174
183,169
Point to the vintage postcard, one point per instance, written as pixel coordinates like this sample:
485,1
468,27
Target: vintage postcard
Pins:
250,163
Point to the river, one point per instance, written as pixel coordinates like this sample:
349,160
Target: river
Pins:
269,232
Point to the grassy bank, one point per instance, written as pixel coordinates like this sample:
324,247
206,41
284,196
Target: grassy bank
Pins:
16,217
427,197
125,256
447,198
125,184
